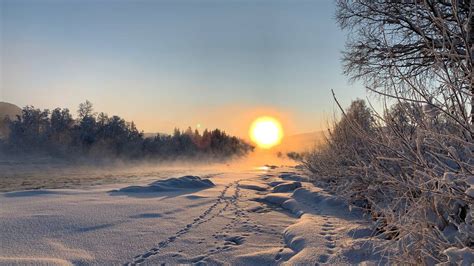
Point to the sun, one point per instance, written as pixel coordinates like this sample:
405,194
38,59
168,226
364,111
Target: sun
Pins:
266,132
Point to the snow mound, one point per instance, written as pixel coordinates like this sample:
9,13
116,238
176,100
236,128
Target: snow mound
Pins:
171,184
291,202
287,187
304,239
470,192
305,244
276,183
321,197
360,233
269,256
276,198
464,256
292,176
31,193
33,261
253,186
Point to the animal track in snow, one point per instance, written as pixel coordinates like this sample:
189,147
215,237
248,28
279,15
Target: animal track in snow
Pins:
206,216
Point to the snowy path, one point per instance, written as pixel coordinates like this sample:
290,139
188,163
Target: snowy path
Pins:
221,204
249,217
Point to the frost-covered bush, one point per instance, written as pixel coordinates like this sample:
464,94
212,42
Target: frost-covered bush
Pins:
344,149
411,171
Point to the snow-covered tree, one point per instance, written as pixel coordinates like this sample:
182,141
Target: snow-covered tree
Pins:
412,43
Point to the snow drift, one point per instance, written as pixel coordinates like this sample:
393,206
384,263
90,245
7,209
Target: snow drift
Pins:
171,184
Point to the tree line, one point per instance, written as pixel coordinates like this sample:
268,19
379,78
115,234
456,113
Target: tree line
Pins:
57,133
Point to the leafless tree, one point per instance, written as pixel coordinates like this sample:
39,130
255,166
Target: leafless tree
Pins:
405,43
413,171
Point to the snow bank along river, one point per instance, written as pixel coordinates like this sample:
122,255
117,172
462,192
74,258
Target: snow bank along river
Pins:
259,217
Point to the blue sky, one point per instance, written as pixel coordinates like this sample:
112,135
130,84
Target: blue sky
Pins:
177,63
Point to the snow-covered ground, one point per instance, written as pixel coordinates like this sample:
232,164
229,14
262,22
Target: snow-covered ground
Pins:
259,216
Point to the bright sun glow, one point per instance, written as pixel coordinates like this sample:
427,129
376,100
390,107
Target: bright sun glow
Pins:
266,132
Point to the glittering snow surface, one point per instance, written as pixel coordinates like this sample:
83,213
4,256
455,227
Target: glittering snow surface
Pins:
259,217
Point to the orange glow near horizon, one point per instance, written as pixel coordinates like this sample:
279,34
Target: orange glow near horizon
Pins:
266,132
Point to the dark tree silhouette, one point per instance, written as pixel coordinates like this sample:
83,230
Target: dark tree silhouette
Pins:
414,50
57,133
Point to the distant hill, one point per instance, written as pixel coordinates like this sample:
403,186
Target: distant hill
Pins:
7,110
301,142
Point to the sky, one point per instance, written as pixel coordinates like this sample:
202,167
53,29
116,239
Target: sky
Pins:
166,64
